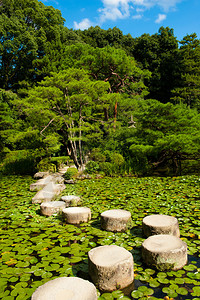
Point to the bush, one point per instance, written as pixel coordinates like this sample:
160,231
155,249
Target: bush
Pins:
71,172
60,161
45,165
96,155
20,162
107,168
91,167
117,160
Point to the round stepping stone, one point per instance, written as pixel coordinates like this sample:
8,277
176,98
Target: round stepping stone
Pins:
160,224
115,220
52,207
164,252
110,267
71,200
76,215
66,288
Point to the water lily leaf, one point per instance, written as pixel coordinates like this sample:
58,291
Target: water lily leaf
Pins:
190,267
107,296
117,294
170,292
75,259
137,294
154,283
163,280
196,291
179,280
182,291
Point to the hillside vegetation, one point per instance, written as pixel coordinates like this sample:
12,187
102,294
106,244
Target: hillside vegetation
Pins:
127,105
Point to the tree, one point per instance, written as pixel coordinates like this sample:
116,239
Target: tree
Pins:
31,41
188,88
159,54
109,65
69,106
165,136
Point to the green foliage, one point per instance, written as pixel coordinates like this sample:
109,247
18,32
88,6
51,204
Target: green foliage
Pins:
165,135
80,91
109,64
46,165
19,162
31,41
97,155
117,160
60,161
63,106
71,173
187,90
159,54
92,167
107,168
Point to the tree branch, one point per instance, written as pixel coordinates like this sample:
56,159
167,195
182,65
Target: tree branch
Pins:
41,132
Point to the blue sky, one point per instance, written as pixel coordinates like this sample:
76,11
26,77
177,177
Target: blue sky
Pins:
132,16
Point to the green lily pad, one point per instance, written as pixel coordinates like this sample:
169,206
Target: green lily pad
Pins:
182,291
107,296
137,294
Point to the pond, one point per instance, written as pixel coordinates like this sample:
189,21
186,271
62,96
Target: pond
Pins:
35,249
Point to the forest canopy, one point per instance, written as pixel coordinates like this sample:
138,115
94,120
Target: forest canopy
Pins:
120,105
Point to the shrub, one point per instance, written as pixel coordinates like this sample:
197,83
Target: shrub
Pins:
20,162
96,155
117,159
71,172
45,165
60,161
91,167
107,168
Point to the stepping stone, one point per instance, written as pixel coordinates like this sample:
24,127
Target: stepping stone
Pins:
40,175
63,170
164,252
52,207
66,288
110,267
115,220
71,200
76,215
48,193
41,183
70,181
160,224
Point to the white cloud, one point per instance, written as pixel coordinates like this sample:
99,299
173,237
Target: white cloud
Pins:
137,17
84,24
121,9
114,9
161,17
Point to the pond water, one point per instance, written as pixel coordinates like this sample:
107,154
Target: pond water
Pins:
35,249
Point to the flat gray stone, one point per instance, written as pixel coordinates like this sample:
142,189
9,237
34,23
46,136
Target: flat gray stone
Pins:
41,183
40,175
66,288
164,252
160,224
52,207
63,170
48,193
111,267
76,215
71,200
115,220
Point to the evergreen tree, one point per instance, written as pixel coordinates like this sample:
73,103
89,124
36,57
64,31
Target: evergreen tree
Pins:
188,89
